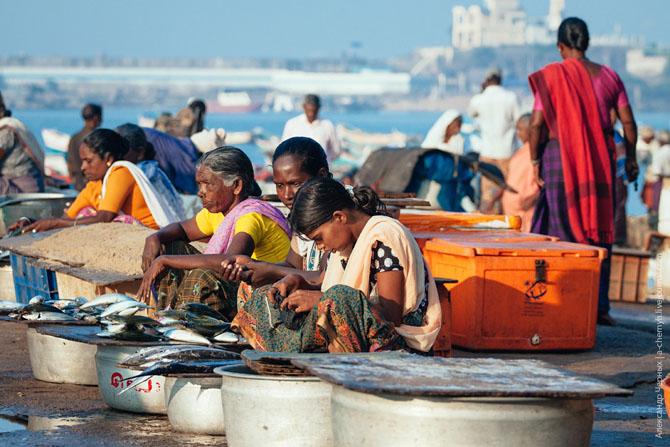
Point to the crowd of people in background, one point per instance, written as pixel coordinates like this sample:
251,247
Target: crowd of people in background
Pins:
565,166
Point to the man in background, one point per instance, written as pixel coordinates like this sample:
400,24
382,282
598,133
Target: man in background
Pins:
496,109
92,115
310,125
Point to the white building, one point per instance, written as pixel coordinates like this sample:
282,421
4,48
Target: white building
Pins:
503,22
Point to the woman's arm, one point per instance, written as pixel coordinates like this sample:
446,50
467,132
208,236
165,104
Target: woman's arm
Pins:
242,243
391,290
630,136
536,126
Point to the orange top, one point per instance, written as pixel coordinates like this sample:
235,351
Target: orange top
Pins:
521,177
123,196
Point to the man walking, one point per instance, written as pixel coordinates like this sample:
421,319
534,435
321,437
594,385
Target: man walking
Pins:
496,109
310,125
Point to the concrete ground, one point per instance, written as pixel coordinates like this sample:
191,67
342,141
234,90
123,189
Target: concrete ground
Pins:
34,413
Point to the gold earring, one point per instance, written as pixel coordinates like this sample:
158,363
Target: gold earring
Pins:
109,163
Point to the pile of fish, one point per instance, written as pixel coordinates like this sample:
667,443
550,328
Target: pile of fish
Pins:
176,359
39,309
190,323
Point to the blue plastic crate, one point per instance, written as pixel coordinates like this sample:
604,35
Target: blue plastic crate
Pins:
30,280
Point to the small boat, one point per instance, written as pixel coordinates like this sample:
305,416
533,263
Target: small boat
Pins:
232,102
55,139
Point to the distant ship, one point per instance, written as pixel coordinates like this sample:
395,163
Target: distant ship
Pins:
232,102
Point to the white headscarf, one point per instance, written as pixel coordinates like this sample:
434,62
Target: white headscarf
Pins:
435,137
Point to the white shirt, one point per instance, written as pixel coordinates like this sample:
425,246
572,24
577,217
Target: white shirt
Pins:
320,130
660,164
497,111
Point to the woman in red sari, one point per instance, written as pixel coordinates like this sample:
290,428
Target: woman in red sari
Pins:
572,147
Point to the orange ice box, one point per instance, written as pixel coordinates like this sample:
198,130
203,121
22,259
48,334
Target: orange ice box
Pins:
528,292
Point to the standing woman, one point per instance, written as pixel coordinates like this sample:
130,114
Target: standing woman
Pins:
376,293
572,148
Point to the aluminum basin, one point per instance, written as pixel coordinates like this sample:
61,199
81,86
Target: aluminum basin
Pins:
58,360
274,410
146,398
395,420
194,404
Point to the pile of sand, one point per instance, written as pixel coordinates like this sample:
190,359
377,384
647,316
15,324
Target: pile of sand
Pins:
113,247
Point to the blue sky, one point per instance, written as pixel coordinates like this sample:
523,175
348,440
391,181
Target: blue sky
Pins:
272,28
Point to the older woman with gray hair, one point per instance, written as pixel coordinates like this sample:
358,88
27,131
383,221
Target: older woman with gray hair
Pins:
235,224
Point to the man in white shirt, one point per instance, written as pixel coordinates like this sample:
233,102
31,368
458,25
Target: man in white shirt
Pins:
308,124
497,111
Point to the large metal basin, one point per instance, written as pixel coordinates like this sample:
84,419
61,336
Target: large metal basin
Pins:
274,410
146,398
58,360
194,404
34,205
395,420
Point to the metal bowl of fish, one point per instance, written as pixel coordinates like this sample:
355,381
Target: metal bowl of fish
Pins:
113,380
274,410
194,404
58,360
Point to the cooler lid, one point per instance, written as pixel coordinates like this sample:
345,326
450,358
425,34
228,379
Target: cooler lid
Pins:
437,220
417,375
456,235
517,248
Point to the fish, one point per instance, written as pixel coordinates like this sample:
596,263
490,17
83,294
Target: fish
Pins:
134,335
38,307
134,320
165,368
186,336
202,310
203,319
181,353
124,308
172,313
105,299
207,331
37,299
227,337
9,306
139,356
47,316
163,329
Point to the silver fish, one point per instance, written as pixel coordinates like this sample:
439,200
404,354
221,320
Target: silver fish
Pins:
182,353
186,336
37,299
202,310
9,306
124,308
139,356
227,337
48,316
105,300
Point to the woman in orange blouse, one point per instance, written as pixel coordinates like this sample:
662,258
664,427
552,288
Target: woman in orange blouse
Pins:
122,200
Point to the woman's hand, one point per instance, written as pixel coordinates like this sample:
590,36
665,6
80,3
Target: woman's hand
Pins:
237,268
302,300
42,225
152,249
154,270
632,169
286,286
22,222
538,179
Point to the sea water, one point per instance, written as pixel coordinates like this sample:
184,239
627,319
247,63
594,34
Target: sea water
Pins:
412,123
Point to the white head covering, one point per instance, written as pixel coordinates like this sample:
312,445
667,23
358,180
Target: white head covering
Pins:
435,137
209,139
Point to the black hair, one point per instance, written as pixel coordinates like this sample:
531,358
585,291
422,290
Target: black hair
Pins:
106,142
313,99
310,153
317,200
136,139
90,111
573,33
230,164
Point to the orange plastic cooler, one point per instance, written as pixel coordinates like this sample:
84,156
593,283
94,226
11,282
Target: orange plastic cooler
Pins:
524,293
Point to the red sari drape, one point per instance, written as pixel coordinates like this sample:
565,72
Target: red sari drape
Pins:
571,113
